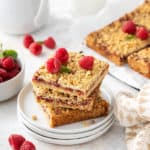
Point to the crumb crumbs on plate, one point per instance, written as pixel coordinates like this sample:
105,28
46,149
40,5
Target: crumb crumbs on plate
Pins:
88,123
92,121
85,124
34,117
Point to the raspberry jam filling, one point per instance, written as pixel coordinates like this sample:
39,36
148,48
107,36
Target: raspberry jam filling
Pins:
68,102
57,85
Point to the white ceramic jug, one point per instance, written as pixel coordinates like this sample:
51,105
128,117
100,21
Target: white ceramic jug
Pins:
23,16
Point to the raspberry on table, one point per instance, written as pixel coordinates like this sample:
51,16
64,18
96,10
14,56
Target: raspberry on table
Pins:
53,65
28,39
8,63
35,48
142,33
62,55
16,141
27,145
86,62
129,27
50,43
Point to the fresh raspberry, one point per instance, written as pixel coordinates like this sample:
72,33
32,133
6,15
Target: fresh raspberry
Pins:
142,33
53,65
12,73
28,39
1,79
62,55
50,43
17,66
86,62
27,145
129,27
3,73
16,141
8,63
35,48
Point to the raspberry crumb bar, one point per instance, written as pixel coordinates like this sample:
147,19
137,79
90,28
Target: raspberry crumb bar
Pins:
140,62
58,99
113,43
79,82
67,87
61,116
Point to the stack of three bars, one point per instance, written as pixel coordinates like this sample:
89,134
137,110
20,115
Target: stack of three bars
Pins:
72,96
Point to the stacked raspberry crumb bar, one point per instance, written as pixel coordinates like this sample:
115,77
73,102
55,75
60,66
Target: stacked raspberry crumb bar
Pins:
68,91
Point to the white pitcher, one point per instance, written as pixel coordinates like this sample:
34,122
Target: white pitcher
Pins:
23,16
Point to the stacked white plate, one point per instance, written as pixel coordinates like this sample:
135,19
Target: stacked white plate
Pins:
75,133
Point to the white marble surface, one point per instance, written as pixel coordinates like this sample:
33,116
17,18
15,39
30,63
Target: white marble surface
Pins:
63,30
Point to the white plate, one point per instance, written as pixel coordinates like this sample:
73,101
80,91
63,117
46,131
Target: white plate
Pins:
27,107
64,136
66,142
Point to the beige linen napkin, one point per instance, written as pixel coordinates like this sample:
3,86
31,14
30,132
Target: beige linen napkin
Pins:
133,112
143,100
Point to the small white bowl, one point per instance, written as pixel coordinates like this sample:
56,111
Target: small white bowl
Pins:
10,88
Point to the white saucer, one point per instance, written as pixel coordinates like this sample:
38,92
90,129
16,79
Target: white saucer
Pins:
28,107
64,136
66,142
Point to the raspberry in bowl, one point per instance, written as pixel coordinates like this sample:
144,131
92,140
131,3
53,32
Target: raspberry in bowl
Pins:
11,74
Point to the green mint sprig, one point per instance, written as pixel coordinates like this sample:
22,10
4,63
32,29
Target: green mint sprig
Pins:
64,69
40,42
6,53
130,37
10,52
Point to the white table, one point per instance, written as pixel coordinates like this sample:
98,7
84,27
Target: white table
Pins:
63,31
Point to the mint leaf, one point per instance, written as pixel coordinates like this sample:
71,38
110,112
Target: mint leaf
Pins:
64,69
11,53
130,37
40,42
